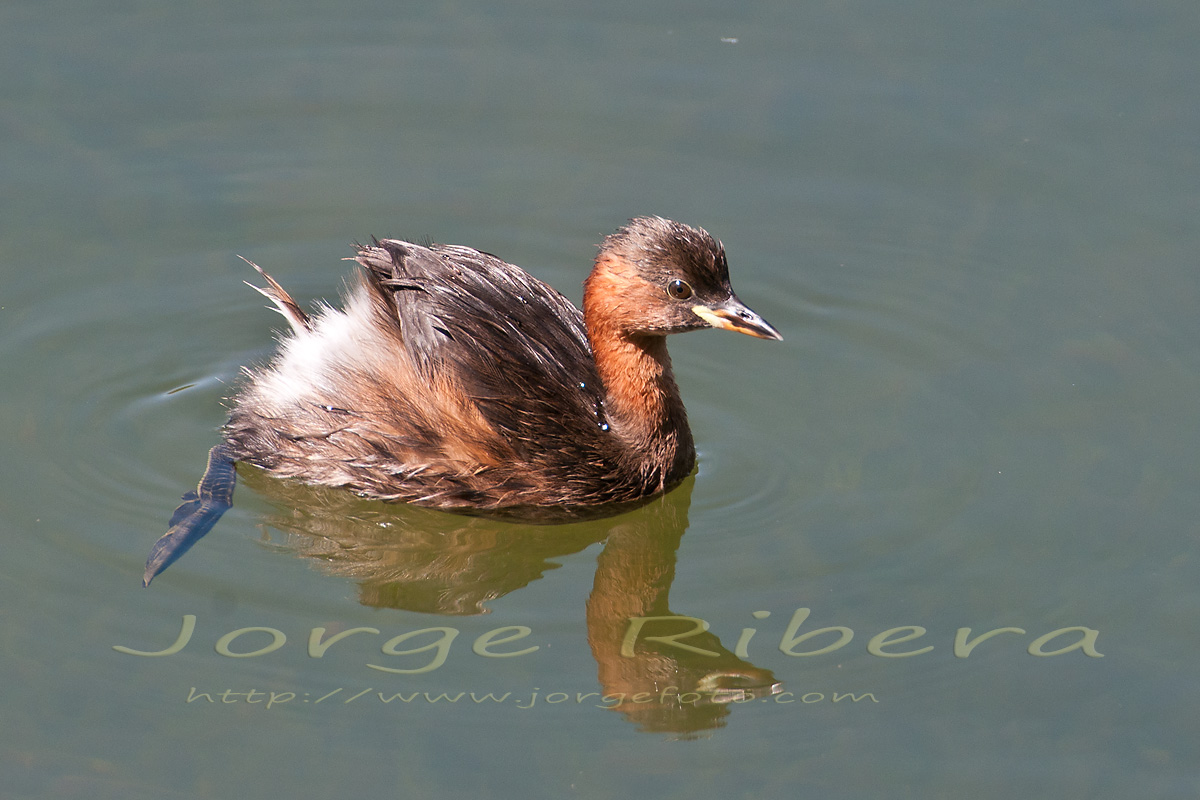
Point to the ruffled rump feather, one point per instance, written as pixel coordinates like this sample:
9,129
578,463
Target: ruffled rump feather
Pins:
451,379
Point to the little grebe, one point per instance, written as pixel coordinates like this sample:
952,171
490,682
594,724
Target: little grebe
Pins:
454,380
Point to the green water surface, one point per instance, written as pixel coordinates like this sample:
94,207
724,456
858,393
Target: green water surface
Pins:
943,536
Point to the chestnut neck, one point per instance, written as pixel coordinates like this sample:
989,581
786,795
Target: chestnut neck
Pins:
641,397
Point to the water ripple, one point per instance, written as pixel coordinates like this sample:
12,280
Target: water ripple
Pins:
117,390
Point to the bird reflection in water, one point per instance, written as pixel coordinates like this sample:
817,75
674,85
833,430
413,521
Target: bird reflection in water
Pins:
420,560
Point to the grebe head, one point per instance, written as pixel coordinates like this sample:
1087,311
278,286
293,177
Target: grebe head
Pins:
656,276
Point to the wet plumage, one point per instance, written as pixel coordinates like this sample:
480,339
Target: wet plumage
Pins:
452,379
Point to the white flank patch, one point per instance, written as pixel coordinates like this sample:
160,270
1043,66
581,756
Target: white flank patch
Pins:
311,364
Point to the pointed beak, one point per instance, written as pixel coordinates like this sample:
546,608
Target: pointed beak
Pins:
733,315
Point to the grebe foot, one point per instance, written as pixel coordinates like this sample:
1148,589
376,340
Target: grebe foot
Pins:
197,514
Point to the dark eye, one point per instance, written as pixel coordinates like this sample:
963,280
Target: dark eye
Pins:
678,289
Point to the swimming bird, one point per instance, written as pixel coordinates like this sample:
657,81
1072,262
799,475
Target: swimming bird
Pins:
454,380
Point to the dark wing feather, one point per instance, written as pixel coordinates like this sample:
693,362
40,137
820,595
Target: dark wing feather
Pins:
516,346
